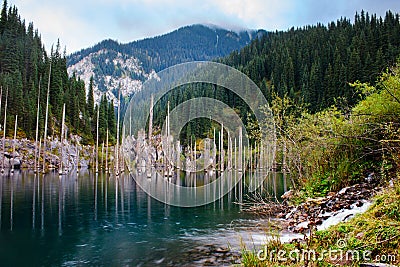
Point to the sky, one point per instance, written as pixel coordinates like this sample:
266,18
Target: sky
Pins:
83,23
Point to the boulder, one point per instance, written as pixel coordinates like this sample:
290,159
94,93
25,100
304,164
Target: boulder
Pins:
288,194
301,226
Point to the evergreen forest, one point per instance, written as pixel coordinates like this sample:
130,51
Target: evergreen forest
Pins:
24,77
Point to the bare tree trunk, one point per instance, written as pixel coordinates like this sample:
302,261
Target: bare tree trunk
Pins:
4,130
14,141
37,128
60,171
117,146
46,122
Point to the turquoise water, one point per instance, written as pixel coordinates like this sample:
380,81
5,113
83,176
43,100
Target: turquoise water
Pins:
88,219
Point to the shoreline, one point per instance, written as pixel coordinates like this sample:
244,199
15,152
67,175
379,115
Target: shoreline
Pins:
24,157
294,223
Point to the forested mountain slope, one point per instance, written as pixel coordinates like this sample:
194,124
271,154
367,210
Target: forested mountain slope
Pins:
24,70
114,65
314,64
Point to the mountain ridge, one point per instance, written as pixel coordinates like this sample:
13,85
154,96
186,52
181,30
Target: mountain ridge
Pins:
116,65
75,56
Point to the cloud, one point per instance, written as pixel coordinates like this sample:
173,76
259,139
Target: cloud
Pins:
72,31
155,17
56,22
81,24
257,13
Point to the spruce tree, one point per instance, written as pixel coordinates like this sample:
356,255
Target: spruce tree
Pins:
90,99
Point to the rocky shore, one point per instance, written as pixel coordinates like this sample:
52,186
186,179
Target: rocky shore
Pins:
313,214
24,155
320,213
317,213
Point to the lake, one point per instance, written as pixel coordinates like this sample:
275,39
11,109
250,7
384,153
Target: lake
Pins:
96,219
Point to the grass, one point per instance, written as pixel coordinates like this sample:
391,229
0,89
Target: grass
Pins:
373,236
376,231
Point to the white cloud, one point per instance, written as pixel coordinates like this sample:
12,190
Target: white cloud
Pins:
71,30
257,13
81,24
57,22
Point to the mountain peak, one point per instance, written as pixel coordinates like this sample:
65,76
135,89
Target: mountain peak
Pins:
114,65
236,29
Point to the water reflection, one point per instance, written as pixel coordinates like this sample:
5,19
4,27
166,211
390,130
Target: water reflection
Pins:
42,209
99,219
11,203
1,197
33,202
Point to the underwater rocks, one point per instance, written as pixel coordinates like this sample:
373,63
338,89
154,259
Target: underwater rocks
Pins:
208,255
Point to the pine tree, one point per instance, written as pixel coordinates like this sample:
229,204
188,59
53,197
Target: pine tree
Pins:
56,83
90,99
3,19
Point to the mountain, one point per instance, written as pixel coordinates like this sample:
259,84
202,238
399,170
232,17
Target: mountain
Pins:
113,64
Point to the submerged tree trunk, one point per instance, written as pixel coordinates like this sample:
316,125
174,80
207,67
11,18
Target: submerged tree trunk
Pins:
46,121
4,130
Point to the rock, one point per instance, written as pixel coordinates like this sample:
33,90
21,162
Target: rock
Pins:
211,255
359,204
331,194
211,262
318,210
341,192
221,250
281,215
301,226
318,221
318,200
370,178
15,161
288,194
290,213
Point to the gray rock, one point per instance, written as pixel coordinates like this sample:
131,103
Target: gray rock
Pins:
16,162
302,226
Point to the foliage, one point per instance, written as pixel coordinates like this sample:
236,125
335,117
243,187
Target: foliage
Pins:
328,149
